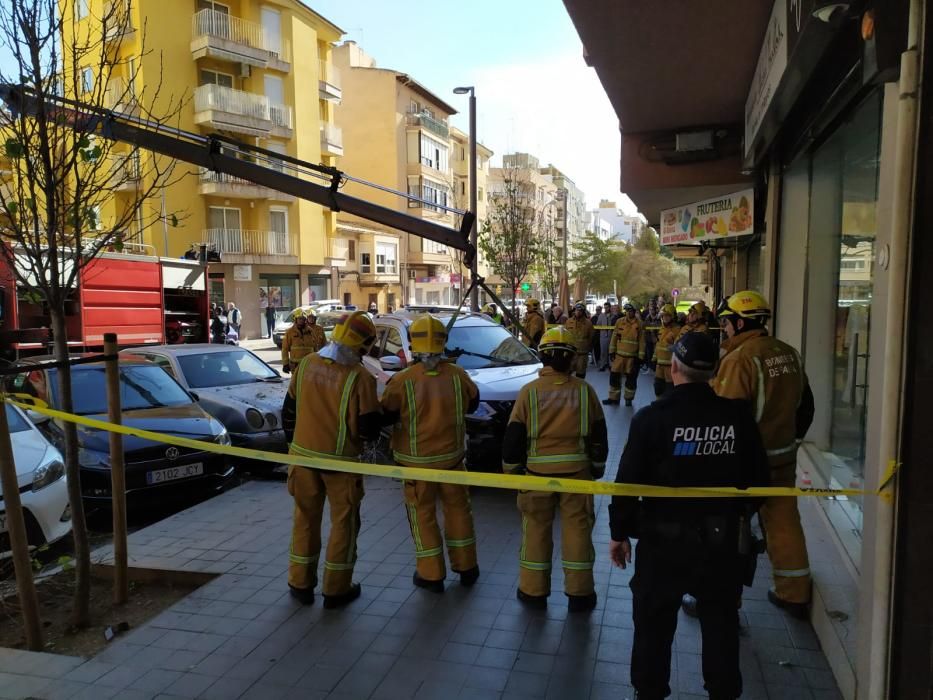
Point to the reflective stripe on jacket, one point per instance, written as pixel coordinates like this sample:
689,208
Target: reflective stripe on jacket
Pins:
297,344
582,331
664,348
628,338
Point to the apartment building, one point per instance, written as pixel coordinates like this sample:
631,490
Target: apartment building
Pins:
612,224
571,211
258,71
460,163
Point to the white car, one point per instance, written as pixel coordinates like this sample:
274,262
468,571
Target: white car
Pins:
40,472
496,361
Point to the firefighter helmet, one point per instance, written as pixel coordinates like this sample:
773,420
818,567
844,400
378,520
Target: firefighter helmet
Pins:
557,339
628,307
669,309
355,330
533,304
699,308
746,304
298,313
428,335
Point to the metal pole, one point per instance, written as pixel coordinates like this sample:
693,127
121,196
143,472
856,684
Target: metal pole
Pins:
117,474
474,300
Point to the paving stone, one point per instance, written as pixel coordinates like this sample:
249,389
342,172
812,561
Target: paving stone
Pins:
156,680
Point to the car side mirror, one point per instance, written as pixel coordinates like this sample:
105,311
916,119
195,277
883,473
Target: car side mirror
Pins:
390,363
37,418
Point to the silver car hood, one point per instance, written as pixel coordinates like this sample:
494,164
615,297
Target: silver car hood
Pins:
264,396
503,383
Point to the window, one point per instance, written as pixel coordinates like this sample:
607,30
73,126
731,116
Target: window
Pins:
365,264
87,80
211,77
224,229
394,346
278,232
385,258
433,192
433,153
413,107
463,187
277,147
82,9
351,250
163,362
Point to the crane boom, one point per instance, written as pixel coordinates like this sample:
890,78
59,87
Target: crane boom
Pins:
224,155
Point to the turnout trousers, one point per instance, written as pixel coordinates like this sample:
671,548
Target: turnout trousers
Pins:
309,488
580,362
787,546
664,572
663,382
538,509
627,366
421,506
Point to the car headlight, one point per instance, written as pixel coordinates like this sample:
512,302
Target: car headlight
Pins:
223,438
47,474
91,458
272,419
483,412
254,418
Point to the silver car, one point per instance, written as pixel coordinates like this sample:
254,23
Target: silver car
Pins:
233,385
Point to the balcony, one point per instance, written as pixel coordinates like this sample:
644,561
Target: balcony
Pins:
221,36
125,172
253,247
227,109
331,140
223,185
435,126
329,82
283,122
338,252
119,97
417,257
118,24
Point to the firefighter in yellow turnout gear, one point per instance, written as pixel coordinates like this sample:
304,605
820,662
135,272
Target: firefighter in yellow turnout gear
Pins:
330,410
626,350
668,334
427,403
534,323
582,330
696,320
556,428
303,338
769,374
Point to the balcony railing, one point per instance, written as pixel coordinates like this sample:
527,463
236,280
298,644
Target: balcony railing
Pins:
224,99
430,123
281,116
236,30
246,242
117,20
329,81
207,175
119,97
331,140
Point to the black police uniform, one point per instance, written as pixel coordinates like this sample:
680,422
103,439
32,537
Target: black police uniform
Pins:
689,437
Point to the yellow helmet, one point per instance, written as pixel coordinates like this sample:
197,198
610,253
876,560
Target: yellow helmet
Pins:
699,308
428,335
746,304
298,313
669,309
557,339
355,330
533,304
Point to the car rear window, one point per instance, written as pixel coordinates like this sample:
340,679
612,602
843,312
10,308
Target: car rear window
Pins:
142,386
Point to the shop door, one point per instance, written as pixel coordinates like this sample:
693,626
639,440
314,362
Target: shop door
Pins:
279,292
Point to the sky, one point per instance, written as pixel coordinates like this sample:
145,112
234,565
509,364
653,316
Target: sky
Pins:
534,93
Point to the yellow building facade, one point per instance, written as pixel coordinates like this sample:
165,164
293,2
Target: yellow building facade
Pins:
259,72
460,163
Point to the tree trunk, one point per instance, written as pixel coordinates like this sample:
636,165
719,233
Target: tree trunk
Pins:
80,615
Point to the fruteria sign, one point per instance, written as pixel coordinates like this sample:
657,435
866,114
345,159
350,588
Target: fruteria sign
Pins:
721,217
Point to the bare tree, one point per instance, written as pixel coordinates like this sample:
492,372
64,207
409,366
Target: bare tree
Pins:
71,194
547,264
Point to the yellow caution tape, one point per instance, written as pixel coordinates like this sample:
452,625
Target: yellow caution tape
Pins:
444,476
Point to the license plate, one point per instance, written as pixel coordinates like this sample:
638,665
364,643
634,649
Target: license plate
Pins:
160,476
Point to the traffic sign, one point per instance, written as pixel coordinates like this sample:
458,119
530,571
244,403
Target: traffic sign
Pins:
675,292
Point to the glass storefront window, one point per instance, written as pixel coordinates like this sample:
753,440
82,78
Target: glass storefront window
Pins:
281,293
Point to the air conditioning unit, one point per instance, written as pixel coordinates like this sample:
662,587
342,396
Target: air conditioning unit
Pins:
245,70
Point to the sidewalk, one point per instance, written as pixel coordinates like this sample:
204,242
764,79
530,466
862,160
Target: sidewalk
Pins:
241,636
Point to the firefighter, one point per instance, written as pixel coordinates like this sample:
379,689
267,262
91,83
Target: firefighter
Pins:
303,338
696,320
534,323
690,437
626,350
582,330
769,374
556,429
427,403
493,312
330,410
663,348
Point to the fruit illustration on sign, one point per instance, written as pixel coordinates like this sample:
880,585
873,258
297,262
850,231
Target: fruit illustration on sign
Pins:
722,228
697,230
685,220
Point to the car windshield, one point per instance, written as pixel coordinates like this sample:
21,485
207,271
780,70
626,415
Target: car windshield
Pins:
479,347
141,386
226,368
15,420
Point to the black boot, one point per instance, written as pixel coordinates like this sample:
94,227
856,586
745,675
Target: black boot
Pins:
610,402
305,596
338,601
536,602
581,603
427,584
801,611
689,605
468,577
628,402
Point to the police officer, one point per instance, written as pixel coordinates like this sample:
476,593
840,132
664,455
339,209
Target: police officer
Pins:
626,349
556,428
689,437
581,328
303,338
668,333
330,410
427,403
534,323
769,374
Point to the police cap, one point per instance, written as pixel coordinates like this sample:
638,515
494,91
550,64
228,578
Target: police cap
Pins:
696,350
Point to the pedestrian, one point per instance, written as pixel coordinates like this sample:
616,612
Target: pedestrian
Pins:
270,319
426,403
556,429
769,374
534,325
303,338
234,317
557,316
690,437
605,320
373,308
218,326
668,333
615,314
550,318
581,328
330,410
626,350
597,337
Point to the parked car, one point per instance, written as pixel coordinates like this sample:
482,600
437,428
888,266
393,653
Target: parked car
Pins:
151,400
233,385
495,360
324,311
40,472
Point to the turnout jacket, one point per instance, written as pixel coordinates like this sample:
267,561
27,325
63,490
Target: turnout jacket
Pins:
427,408
664,347
534,324
582,331
689,437
556,427
297,344
628,338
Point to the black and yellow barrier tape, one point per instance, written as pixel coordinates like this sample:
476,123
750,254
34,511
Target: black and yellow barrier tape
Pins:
449,476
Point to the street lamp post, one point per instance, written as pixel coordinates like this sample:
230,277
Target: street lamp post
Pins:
474,300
